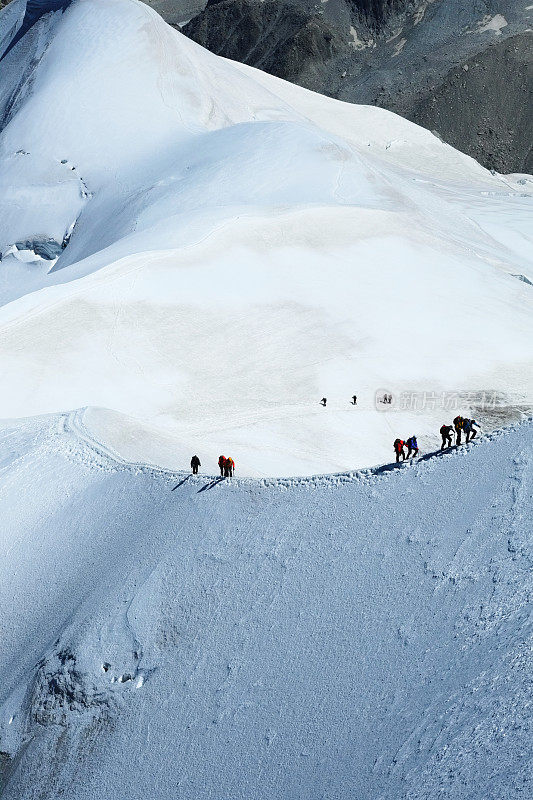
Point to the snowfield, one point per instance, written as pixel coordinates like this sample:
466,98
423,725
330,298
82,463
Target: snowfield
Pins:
193,254
204,251
365,635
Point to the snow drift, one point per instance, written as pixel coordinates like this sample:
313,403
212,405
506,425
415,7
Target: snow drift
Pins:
365,635
205,251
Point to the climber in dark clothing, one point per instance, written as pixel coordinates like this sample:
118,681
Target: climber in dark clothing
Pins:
446,433
458,425
412,446
354,400
324,401
468,427
195,463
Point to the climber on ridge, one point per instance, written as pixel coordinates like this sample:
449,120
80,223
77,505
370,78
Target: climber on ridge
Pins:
195,463
229,467
446,432
412,445
468,427
458,425
398,449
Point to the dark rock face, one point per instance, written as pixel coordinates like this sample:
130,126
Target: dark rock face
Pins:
485,107
376,12
281,39
459,67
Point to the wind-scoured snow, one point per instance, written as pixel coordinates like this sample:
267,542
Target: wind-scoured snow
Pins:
366,635
232,248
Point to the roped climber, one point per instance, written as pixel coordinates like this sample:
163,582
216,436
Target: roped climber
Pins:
195,463
229,467
412,447
446,433
398,449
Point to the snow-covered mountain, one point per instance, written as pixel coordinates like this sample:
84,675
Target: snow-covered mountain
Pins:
209,251
360,636
193,254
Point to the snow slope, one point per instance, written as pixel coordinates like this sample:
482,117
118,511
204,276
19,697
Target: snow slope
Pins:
366,635
205,251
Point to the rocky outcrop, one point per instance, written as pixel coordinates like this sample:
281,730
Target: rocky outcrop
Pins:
485,106
284,40
376,12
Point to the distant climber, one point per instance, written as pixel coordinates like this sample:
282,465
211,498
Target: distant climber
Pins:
398,449
458,425
354,400
446,432
222,464
470,431
412,446
229,467
324,401
195,463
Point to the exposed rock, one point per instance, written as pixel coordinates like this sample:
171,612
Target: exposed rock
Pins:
485,108
299,42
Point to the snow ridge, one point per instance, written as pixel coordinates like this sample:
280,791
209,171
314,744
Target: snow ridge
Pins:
74,425
370,638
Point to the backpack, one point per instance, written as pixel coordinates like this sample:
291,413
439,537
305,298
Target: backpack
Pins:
398,444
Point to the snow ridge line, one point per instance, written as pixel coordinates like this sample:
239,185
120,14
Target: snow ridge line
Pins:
73,423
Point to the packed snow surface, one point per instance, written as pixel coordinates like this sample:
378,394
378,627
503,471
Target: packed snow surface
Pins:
365,635
225,249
